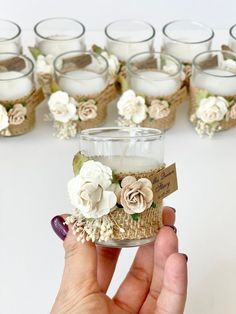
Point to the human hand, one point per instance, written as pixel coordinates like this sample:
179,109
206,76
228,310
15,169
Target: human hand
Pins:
156,282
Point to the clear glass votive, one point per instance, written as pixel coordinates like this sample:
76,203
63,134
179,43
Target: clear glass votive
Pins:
125,38
10,37
232,38
57,35
184,39
154,74
134,152
215,72
81,73
16,76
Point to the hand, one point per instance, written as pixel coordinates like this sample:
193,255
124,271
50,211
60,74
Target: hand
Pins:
156,282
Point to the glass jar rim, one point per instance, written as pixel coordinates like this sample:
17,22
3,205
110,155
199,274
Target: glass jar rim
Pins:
17,27
130,42
164,32
170,76
59,18
231,31
90,134
80,53
197,66
20,56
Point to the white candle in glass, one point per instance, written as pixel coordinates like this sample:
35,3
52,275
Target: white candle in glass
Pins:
129,163
7,46
13,85
58,44
220,82
82,82
154,83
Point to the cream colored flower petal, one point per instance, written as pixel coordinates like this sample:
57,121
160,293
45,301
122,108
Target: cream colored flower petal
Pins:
127,181
147,192
107,202
146,182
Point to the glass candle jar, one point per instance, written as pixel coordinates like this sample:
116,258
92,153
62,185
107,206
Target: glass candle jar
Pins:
10,34
214,73
134,152
184,39
16,76
125,38
81,73
57,35
232,38
154,74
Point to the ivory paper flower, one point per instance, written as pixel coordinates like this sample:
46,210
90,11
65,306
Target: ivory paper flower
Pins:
113,63
233,112
132,107
4,121
62,107
89,190
158,109
87,110
136,195
44,64
17,114
212,109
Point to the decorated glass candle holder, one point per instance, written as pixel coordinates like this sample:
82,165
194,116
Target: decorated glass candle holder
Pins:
82,92
18,97
126,38
120,181
153,91
10,34
213,92
232,39
184,39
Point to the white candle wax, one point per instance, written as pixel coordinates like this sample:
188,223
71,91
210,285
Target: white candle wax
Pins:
233,45
82,82
6,46
125,50
152,83
222,86
59,44
13,86
128,163
185,52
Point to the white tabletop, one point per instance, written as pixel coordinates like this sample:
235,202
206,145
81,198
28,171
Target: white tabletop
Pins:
34,171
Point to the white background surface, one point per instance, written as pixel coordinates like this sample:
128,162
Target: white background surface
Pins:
35,169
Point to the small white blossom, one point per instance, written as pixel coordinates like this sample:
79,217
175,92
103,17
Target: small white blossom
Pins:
132,107
44,64
4,120
113,62
212,109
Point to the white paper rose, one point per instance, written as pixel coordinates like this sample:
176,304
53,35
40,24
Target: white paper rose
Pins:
17,114
113,62
159,109
212,109
4,121
44,64
62,107
132,107
87,110
89,190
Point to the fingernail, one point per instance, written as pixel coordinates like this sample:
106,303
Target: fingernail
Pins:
59,227
186,256
174,210
172,227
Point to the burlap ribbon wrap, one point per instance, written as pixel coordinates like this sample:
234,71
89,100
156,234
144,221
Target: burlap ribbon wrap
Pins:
224,124
31,102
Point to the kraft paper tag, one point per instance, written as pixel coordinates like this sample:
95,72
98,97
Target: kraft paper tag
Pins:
165,182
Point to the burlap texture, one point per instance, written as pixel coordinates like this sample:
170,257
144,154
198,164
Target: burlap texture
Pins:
224,124
31,101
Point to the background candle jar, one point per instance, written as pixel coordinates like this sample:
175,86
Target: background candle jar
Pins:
10,37
232,38
18,97
125,38
213,91
123,166
155,89
58,35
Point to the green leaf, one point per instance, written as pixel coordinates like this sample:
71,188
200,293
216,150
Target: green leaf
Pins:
135,216
97,49
35,52
115,178
78,162
201,94
123,83
154,205
54,87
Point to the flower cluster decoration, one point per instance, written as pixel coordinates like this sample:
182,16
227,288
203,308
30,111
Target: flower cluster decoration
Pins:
66,113
133,109
11,115
95,192
211,111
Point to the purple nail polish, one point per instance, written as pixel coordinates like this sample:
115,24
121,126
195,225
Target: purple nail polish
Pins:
186,256
172,227
59,227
